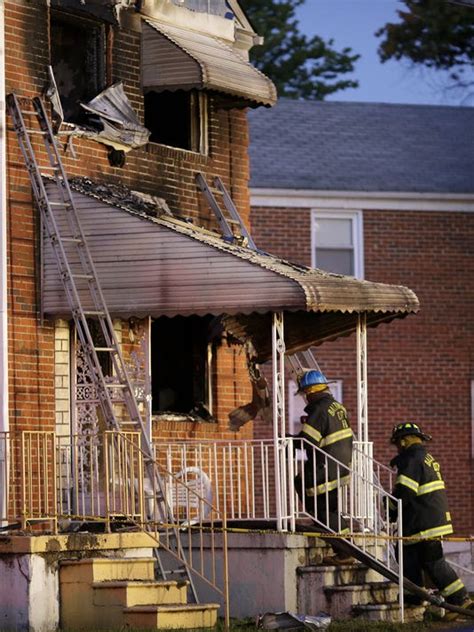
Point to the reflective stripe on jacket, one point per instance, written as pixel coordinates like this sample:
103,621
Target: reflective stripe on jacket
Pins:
328,428
421,488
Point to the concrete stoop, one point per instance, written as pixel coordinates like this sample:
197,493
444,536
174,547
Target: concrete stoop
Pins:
111,593
389,612
350,591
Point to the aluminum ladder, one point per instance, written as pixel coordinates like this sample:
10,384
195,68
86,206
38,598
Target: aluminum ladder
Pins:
79,277
231,224
300,362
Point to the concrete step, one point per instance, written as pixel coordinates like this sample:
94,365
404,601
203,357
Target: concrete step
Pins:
320,549
341,599
110,599
389,612
312,580
106,569
77,592
126,594
172,617
340,575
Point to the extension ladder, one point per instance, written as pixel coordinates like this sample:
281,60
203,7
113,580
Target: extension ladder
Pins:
300,362
79,277
231,225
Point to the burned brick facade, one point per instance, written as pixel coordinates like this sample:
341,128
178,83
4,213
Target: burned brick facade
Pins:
155,169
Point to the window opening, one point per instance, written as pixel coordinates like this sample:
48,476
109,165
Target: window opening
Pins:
177,119
337,242
78,61
181,357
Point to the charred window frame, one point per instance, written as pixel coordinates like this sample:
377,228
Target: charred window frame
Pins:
178,119
181,365
78,58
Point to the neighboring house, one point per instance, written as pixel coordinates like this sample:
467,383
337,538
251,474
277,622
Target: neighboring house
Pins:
122,423
386,192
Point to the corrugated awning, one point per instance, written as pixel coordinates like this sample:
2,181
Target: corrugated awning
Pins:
175,58
155,266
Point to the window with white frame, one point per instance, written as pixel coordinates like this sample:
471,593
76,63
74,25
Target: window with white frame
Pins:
337,242
297,403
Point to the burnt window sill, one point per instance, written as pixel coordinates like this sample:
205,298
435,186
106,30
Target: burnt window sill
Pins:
177,152
168,417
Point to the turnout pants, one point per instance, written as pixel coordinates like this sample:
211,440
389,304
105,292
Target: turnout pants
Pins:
428,556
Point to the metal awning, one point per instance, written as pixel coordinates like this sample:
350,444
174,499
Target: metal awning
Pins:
158,265
174,58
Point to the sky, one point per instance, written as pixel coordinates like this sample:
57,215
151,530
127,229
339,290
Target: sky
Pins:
353,23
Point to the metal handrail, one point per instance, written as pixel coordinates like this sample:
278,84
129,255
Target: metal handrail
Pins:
101,478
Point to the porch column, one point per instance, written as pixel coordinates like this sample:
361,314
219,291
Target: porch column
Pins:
362,396
363,464
4,420
279,422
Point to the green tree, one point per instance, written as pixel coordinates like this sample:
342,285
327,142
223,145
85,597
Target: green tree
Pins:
300,66
435,34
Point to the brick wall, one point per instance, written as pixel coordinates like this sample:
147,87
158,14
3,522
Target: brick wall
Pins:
420,368
163,171
62,380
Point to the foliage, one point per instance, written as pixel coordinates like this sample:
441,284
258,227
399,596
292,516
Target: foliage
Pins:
435,34
300,66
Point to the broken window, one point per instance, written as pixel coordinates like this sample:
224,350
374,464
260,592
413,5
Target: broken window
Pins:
177,119
78,60
181,357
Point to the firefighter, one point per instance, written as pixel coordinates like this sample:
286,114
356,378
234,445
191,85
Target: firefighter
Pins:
327,427
425,515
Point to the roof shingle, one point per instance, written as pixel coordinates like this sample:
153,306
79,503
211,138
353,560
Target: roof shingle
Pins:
375,147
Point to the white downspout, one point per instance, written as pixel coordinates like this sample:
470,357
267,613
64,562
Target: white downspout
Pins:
4,422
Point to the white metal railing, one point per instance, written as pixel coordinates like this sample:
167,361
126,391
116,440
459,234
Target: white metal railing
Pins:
102,478
240,476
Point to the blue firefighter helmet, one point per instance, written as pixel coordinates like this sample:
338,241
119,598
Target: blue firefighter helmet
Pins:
311,378
408,428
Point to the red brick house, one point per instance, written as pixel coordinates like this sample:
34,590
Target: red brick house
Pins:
384,191
133,324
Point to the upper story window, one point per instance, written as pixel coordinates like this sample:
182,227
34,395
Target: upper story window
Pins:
337,243
178,119
215,7
78,60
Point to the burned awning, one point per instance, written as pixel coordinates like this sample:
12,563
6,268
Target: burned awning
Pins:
151,264
117,123
174,58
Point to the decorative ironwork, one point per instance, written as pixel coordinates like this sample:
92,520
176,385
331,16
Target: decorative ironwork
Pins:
86,398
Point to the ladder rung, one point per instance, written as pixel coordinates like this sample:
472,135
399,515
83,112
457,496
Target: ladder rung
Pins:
35,131
106,349
73,240
88,277
92,313
64,204
175,571
51,167
115,385
30,112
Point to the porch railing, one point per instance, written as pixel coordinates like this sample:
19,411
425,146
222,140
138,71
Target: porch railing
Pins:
240,477
53,480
